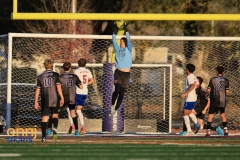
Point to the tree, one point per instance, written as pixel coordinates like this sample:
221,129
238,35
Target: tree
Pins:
56,26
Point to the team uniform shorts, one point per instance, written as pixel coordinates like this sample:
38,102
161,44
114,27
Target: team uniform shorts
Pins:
215,110
200,115
46,111
80,99
121,78
198,110
70,106
189,105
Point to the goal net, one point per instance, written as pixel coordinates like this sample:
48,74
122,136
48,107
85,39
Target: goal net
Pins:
151,103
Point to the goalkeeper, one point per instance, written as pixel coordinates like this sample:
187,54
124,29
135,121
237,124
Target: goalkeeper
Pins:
123,63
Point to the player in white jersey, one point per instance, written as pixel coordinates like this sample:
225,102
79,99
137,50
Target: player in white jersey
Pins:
86,78
191,98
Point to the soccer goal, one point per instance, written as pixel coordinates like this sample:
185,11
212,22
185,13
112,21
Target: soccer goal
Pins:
150,86
151,103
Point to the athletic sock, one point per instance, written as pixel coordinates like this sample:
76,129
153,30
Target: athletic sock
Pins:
69,117
44,127
50,122
209,131
75,122
187,122
193,117
184,127
224,124
209,126
80,115
55,123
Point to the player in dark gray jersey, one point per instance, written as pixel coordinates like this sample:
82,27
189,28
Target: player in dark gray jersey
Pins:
48,84
69,82
218,88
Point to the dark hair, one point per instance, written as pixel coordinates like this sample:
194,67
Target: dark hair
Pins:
124,40
200,80
220,69
190,67
67,66
82,62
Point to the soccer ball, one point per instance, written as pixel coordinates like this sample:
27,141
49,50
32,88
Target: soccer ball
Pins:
120,23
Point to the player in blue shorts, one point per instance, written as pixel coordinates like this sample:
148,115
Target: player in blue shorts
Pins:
86,78
191,98
201,107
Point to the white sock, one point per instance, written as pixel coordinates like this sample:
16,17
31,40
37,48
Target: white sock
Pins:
112,108
80,115
193,117
69,117
187,122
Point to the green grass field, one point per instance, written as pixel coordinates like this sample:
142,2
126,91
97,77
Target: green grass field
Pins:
124,148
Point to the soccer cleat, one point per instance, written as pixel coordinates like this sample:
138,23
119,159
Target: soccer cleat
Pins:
183,133
70,129
43,139
112,113
225,132
83,130
208,134
219,130
77,133
55,135
49,131
197,127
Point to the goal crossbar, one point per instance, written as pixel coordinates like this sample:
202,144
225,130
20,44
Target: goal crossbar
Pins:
164,38
121,16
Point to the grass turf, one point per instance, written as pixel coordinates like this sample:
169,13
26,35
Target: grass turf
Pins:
118,151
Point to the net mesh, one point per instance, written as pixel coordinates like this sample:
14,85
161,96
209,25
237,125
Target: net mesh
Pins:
146,102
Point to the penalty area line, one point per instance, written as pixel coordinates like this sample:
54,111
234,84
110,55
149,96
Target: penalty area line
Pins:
10,155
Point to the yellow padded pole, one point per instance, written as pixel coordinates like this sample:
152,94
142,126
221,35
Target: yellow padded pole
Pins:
125,16
15,5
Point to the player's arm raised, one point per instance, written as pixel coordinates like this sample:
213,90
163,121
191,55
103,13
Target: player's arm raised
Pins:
129,41
114,41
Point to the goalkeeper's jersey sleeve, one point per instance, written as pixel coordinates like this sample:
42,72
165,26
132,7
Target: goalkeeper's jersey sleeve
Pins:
69,83
48,82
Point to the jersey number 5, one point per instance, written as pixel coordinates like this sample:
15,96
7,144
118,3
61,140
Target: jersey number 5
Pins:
84,79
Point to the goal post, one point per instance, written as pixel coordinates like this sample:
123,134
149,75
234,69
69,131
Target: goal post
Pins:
108,122
146,97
